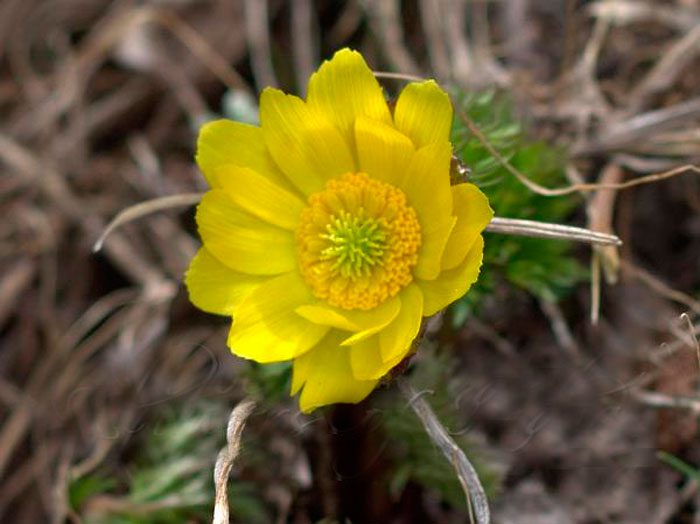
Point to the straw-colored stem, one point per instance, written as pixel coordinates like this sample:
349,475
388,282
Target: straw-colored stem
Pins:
227,457
531,228
468,478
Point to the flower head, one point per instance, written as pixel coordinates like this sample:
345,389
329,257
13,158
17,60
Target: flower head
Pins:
332,229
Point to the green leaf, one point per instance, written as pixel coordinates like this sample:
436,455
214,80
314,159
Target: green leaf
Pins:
677,464
172,471
270,382
544,268
83,488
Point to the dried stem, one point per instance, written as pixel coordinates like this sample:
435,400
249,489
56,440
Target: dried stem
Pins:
659,286
560,328
146,208
304,32
665,73
693,336
384,19
660,400
399,76
468,478
574,188
531,228
258,36
201,49
226,458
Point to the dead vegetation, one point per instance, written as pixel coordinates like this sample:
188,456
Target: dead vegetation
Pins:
100,101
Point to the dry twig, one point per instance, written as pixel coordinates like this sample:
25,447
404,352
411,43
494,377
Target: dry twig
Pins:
531,228
461,55
693,336
384,18
659,286
226,458
468,478
665,73
304,44
574,188
433,16
258,35
625,12
628,134
599,208
146,208
659,400
560,328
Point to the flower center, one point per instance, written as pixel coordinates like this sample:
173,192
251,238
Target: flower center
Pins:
357,242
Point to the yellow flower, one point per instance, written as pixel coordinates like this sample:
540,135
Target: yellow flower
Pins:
331,230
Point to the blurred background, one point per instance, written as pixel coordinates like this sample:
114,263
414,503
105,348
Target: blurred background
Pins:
570,376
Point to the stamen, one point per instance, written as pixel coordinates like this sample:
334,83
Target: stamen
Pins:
353,257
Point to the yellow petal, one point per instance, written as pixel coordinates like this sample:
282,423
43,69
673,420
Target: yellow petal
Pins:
434,242
344,89
424,113
242,241
396,339
325,376
260,197
473,213
360,322
382,151
366,360
381,317
266,329
454,283
214,287
225,142
427,186
303,143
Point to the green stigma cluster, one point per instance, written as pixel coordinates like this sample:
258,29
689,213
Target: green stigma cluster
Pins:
357,244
